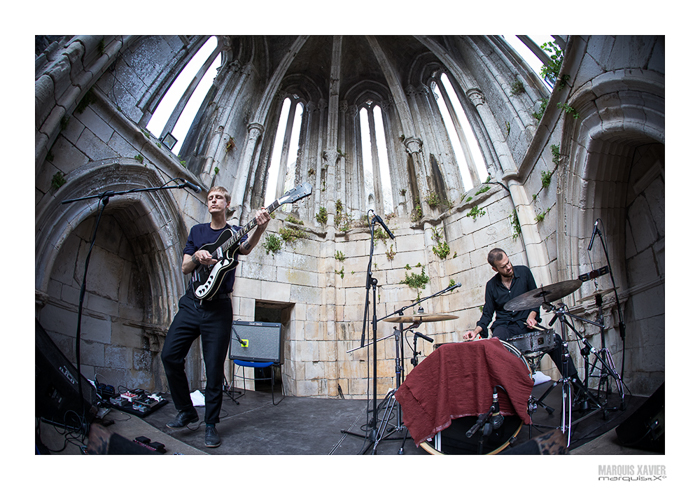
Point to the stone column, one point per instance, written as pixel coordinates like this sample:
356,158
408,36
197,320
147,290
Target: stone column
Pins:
238,193
413,147
505,158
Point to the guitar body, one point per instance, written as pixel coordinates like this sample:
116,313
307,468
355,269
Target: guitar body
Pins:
207,279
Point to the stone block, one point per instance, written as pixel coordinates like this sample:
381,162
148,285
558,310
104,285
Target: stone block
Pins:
66,156
93,147
100,128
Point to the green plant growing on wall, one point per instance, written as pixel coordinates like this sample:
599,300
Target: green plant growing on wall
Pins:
339,255
416,281
322,216
272,244
216,170
291,235
88,98
540,217
556,156
380,234
138,158
390,254
296,221
58,180
341,273
476,212
515,223
482,190
417,212
433,200
568,109
550,70
540,111
517,88
546,178
442,249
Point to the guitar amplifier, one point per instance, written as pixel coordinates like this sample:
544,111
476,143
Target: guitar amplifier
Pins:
256,342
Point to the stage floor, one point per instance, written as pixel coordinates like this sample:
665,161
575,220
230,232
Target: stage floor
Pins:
315,426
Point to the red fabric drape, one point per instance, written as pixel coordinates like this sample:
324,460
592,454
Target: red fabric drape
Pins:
457,380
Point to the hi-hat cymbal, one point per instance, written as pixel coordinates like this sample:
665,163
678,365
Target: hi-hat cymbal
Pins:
542,295
420,318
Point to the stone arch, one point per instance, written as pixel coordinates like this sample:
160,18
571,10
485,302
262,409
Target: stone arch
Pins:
615,174
151,222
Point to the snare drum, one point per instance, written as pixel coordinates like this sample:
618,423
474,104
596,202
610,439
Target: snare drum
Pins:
539,341
453,440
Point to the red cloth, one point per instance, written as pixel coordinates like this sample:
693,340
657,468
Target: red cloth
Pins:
457,380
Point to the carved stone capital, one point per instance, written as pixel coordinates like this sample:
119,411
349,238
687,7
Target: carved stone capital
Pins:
476,96
413,144
255,130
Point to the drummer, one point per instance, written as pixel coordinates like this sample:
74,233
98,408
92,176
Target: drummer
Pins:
510,282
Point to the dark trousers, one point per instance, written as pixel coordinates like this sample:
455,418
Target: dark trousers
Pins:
506,331
212,321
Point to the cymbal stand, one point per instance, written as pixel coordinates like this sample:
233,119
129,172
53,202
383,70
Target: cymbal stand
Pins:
390,400
566,381
604,357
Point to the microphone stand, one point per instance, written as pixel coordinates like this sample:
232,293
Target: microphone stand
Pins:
103,198
617,302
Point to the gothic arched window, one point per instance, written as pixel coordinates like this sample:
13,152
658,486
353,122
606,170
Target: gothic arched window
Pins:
280,176
375,159
178,107
467,152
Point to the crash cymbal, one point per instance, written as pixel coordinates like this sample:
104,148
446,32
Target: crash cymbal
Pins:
545,294
420,318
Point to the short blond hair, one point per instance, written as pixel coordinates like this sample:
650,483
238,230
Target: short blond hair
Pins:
222,189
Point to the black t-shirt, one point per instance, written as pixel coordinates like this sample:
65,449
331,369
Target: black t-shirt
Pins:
497,295
202,234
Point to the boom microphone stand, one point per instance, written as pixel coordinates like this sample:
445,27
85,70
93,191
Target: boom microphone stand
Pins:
103,201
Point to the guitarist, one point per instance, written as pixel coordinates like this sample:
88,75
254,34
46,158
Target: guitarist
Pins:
211,319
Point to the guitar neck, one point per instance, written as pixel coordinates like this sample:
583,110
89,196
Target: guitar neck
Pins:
243,231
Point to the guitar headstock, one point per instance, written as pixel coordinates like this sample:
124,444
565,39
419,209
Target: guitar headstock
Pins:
293,195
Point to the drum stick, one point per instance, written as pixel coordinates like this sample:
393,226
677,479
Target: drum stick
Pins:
536,327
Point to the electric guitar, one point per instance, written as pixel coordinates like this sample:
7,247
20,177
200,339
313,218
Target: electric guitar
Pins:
206,279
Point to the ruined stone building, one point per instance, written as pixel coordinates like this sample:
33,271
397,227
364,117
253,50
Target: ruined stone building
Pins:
366,120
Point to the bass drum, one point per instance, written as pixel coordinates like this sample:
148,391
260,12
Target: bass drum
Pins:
453,440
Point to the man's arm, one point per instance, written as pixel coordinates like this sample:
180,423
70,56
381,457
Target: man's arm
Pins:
486,316
262,218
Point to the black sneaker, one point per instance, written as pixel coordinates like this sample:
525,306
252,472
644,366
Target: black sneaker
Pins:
183,419
211,437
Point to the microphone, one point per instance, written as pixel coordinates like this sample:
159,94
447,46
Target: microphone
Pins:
593,274
195,188
595,230
497,417
454,286
424,337
379,219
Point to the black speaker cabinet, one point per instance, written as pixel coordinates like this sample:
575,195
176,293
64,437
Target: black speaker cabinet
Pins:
256,342
645,428
56,386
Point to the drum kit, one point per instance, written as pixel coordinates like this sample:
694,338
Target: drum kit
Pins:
527,349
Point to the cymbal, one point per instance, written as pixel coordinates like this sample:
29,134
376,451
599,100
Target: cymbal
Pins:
420,318
545,294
